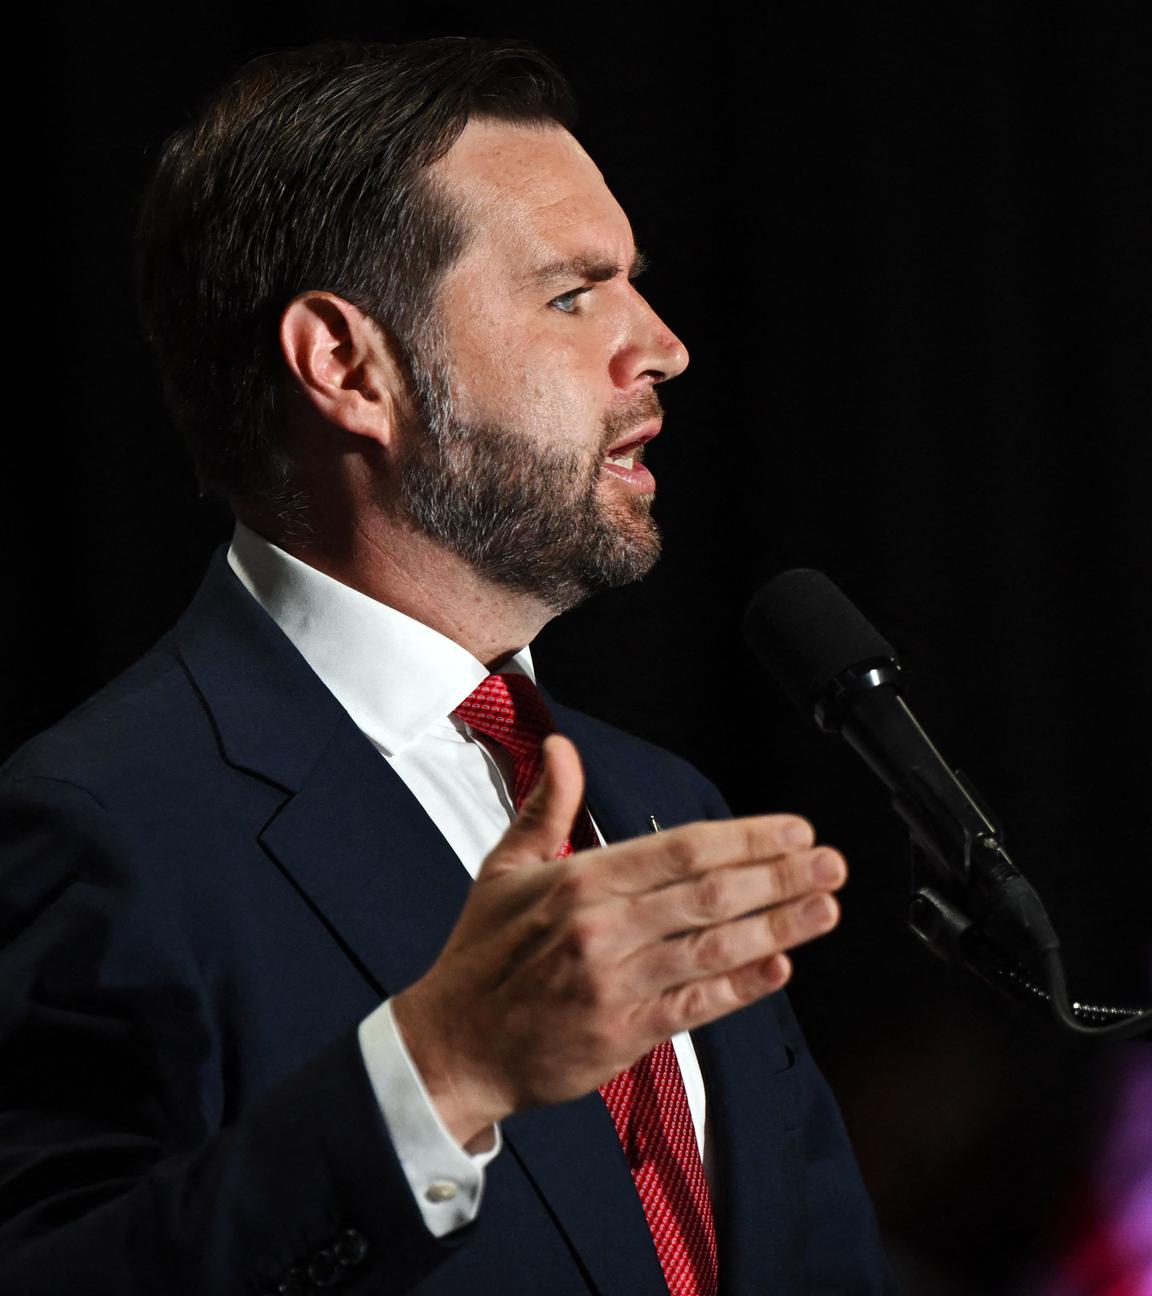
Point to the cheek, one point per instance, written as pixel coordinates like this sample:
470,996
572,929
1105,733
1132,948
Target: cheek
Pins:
535,386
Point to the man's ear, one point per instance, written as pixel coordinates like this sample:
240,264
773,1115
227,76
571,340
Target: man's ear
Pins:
340,362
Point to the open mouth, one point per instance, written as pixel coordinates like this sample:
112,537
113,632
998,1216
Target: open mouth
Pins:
625,462
627,455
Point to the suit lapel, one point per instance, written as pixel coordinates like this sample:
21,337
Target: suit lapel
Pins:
374,867
572,1155
350,835
612,794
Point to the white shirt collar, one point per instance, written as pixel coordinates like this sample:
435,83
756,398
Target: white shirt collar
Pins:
395,676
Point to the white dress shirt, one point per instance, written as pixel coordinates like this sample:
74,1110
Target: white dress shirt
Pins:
400,681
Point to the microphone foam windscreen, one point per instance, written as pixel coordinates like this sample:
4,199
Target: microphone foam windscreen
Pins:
805,632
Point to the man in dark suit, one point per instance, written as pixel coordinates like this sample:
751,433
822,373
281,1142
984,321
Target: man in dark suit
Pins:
260,1033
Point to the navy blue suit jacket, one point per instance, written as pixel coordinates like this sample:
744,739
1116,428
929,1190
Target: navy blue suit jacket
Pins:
208,877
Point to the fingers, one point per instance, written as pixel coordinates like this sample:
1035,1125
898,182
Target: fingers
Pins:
709,906
690,1006
758,979
545,820
725,893
667,858
726,948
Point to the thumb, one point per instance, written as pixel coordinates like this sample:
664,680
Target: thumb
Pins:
545,820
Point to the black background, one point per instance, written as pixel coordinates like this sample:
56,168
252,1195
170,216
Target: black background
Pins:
908,248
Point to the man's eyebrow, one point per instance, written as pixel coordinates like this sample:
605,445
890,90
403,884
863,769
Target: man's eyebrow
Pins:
585,267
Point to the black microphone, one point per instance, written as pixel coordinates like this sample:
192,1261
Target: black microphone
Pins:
837,668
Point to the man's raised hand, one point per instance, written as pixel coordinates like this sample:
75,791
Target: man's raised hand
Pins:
560,973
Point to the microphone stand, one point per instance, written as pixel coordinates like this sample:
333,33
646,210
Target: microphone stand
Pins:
970,904
995,926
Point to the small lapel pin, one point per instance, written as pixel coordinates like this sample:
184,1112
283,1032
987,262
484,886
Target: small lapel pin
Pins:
655,826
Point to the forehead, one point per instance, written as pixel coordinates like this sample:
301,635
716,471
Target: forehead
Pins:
533,192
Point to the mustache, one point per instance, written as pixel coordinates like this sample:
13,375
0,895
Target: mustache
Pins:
633,414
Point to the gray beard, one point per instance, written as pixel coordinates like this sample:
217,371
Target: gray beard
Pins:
528,518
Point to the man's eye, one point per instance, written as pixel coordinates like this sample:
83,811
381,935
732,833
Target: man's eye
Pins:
566,302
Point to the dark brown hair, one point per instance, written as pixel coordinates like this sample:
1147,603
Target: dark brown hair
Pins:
308,172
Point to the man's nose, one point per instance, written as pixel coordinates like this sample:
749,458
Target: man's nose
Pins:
651,352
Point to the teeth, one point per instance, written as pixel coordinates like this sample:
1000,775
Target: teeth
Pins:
622,461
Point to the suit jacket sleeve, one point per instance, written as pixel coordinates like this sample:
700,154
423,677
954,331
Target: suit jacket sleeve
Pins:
118,1171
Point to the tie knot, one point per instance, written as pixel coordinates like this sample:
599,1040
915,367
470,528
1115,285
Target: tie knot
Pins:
510,710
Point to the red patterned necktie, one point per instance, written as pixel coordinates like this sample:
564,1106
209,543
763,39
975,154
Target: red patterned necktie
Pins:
647,1103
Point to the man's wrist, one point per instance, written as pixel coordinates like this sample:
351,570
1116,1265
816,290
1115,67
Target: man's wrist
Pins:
467,1109
446,1178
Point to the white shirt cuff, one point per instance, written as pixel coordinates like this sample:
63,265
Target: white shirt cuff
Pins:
446,1181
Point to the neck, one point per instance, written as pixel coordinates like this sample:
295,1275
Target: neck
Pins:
396,565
